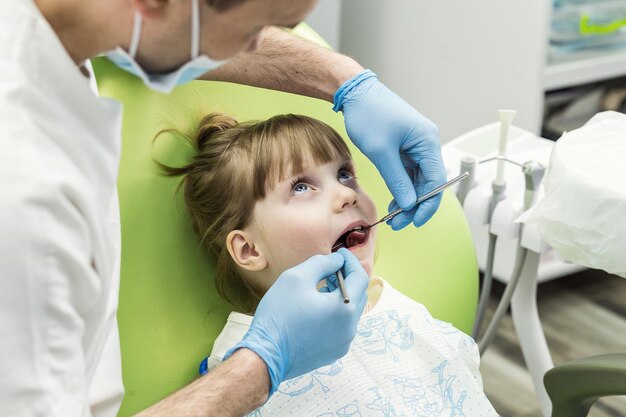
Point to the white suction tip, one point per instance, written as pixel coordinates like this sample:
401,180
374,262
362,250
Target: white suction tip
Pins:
506,116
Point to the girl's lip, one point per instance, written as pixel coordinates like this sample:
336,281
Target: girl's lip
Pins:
353,225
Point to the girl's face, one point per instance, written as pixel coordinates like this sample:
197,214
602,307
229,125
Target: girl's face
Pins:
306,214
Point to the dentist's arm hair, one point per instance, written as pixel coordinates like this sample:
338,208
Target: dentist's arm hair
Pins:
233,389
288,63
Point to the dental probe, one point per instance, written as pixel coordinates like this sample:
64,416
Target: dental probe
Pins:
393,214
421,199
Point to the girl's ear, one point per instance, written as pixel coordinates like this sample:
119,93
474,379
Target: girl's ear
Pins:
244,252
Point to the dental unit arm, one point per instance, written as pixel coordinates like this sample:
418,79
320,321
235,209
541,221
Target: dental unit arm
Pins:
506,251
533,174
475,194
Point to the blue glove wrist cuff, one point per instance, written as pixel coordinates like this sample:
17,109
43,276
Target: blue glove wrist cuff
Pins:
348,86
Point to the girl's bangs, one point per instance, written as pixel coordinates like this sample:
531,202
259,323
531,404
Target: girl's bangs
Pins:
286,152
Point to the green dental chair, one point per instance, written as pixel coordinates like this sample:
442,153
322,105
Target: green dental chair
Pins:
169,311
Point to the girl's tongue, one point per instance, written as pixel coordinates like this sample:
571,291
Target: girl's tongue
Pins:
355,238
350,238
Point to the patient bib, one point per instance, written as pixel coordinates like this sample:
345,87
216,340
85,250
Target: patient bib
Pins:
402,362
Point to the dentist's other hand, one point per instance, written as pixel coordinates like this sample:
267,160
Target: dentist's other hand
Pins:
397,139
297,328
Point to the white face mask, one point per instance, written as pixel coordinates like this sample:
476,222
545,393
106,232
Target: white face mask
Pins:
165,82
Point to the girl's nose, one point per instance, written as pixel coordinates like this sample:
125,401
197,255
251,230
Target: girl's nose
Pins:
344,198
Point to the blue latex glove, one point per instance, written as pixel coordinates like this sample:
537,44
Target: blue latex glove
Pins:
397,139
297,328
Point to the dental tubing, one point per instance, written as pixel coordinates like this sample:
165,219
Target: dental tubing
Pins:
498,188
486,287
533,174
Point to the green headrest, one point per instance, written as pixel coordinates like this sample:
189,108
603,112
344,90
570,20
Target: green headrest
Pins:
169,311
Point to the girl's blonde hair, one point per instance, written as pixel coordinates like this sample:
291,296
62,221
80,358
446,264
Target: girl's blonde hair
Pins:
235,165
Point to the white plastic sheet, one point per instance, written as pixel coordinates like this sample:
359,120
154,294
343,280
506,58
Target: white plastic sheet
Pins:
583,213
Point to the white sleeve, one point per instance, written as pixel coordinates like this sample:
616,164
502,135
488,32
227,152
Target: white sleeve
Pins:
47,288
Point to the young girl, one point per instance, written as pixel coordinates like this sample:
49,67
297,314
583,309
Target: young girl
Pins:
264,197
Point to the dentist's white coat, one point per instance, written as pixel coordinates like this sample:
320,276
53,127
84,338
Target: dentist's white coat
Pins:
59,228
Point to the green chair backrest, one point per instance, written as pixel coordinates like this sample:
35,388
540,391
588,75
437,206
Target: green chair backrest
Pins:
169,311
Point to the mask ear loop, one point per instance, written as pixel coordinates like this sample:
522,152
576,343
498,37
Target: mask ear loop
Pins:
134,40
195,29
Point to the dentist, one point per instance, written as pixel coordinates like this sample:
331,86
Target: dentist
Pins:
59,215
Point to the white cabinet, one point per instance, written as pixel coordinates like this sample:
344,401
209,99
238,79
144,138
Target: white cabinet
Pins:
586,69
458,61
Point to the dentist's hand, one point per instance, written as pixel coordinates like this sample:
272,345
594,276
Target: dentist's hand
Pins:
397,139
297,328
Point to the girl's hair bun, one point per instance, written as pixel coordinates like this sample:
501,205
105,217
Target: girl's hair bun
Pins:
211,125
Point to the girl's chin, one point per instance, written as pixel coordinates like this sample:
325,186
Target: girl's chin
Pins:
368,265
365,256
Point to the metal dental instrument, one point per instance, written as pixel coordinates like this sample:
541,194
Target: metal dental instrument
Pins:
340,279
419,200
342,287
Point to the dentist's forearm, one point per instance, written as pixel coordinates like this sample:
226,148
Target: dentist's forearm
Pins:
287,63
233,389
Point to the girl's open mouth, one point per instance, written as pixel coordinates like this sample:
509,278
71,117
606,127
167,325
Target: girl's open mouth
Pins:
353,238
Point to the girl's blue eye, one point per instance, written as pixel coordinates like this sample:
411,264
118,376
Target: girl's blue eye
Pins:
344,176
300,188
